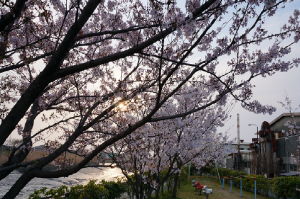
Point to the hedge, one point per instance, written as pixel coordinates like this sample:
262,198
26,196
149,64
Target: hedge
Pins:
102,190
281,187
284,187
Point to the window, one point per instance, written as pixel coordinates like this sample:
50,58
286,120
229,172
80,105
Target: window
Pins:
293,167
282,167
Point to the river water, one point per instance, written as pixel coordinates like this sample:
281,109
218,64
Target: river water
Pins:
81,177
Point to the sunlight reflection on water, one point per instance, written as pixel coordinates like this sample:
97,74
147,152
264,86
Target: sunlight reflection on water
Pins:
81,177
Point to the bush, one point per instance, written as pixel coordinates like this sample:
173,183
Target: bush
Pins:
103,190
284,187
194,171
93,191
206,169
115,189
222,172
263,185
183,174
227,173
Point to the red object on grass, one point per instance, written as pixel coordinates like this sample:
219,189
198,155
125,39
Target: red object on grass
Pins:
199,186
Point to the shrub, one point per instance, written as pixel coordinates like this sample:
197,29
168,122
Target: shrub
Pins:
284,187
227,172
103,190
93,191
263,185
194,171
224,172
115,189
206,169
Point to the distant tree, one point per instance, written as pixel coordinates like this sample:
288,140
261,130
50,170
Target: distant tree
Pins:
75,64
14,143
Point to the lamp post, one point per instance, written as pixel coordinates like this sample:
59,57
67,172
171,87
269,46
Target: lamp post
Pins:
257,143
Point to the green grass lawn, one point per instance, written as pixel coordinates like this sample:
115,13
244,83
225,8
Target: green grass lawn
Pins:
187,191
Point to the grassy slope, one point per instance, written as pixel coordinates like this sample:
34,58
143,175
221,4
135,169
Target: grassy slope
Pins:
187,191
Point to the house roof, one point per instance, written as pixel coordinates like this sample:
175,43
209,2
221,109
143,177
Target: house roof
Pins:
284,115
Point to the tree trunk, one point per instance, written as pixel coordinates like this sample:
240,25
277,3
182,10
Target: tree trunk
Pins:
201,171
149,193
18,186
175,185
22,154
157,192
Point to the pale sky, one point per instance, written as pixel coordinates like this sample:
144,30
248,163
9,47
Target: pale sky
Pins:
269,90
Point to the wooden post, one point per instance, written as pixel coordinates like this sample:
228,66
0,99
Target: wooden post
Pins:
215,180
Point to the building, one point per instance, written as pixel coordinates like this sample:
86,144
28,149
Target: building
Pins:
286,141
240,159
270,153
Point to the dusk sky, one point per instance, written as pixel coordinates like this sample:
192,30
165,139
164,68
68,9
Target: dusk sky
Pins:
269,90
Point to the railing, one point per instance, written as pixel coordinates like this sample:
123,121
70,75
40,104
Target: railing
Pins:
241,184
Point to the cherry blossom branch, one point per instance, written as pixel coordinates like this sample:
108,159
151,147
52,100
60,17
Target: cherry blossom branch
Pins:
11,16
38,85
114,32
31,60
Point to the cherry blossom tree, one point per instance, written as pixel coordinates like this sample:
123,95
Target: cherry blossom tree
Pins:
72,64
158,150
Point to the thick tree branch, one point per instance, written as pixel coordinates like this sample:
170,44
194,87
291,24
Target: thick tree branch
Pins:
44,78
11,16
